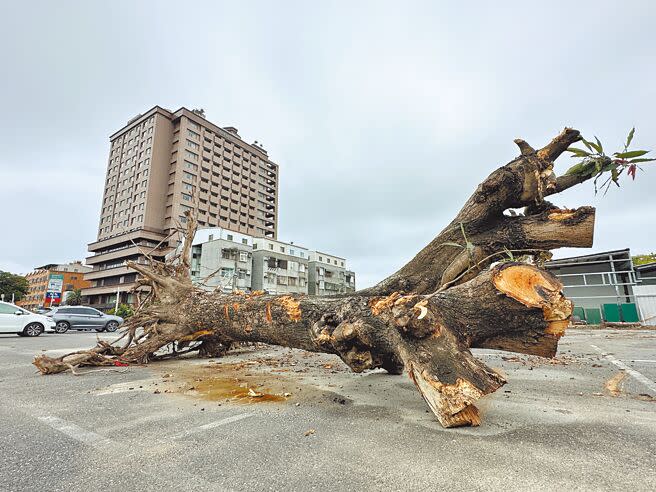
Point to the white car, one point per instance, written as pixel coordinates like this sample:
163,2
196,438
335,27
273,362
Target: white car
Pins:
22,322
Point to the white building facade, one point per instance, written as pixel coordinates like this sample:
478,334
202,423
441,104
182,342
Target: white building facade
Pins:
226,261
222,260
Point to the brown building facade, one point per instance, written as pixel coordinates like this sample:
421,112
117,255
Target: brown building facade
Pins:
162,164
70,276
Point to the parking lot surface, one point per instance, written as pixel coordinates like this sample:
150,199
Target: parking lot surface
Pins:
266,418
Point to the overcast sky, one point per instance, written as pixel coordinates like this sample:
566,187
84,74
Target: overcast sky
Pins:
383,116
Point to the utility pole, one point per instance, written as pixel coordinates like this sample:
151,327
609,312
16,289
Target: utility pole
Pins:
234,275
118,294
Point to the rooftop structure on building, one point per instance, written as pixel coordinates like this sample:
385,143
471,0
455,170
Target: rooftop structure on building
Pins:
162,164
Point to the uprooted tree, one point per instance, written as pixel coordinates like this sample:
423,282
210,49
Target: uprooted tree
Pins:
465,289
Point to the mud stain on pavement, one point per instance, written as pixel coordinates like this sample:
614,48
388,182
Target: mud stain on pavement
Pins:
614,385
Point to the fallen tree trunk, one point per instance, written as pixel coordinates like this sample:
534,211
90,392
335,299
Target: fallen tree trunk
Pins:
513,307
423,319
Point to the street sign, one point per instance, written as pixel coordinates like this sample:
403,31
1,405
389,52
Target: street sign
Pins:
55,282
55,287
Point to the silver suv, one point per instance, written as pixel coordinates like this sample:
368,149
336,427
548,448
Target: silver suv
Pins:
82,318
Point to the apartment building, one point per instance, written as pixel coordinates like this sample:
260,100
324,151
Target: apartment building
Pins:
279,268
49,283
162,164
328,275
227,260
222,260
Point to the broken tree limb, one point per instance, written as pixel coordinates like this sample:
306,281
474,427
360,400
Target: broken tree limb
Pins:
523,182
422,320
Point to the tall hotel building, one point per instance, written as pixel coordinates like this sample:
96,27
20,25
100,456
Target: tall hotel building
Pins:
160,165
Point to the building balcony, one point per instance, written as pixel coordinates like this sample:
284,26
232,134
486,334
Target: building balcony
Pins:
108,289
129,250
108,272
143,233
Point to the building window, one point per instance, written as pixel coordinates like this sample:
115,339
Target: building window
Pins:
244,241
229,236
186,197
254,245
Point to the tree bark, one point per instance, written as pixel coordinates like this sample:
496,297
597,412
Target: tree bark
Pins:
423,319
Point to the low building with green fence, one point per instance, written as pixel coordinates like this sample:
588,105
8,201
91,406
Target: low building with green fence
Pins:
601,285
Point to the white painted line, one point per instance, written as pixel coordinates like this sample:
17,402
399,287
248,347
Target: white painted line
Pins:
212,425
635,374
644,360
76,432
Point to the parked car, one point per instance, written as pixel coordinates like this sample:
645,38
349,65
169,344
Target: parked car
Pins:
82,318
14,319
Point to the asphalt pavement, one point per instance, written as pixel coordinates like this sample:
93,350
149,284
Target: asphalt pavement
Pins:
266,418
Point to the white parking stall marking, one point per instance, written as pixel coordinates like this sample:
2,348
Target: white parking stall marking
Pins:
75,431
632,372
212,425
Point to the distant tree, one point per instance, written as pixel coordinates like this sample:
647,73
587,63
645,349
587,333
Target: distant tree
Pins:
644,259
13,284
74,298
199,111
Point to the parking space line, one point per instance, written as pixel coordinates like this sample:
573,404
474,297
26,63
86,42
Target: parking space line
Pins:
75,431
632,372
212,425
